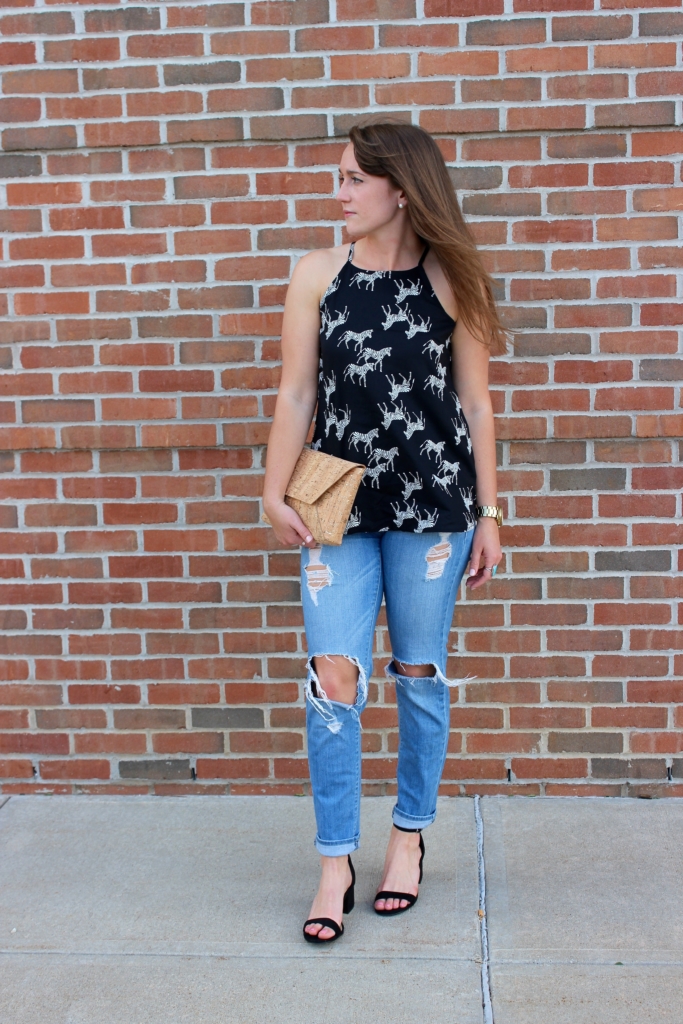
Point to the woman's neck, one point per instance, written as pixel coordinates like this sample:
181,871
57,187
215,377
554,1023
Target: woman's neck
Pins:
380,253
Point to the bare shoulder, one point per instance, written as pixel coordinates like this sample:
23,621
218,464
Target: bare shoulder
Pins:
318,268
439,283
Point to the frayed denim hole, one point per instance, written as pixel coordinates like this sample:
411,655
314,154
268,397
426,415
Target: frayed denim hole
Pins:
322,703
437,556
452,683
318,574
437,676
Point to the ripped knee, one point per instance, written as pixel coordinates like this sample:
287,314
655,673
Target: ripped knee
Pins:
415,671
396,670
323,695
336,677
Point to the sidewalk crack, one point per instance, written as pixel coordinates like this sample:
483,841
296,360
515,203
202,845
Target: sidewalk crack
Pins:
483,925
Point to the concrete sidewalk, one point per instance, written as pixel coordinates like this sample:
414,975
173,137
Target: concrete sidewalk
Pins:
137,910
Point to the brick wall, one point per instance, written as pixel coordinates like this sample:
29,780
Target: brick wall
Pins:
163,166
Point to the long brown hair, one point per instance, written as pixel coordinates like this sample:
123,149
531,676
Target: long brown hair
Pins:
413,162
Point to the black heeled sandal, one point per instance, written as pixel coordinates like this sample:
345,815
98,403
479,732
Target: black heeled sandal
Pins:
386,894
328,922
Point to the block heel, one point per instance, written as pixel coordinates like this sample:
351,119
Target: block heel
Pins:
328,922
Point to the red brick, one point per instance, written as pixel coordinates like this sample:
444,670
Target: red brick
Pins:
655,143
196,242
461,8
171,643
340,37
200,743
630,665
129,244
275,69
75,768
17,53
369,66
145,566
96,693
460,120
185,592
619,115
588,86
664,313
84,218
547,58
105,645
547,767
149,618
101,540
640,173
417,35
25,24
15,769
21,743
656,743
177,270
637,342
54,247
29,194
650,286
37,304
70,51
57,670
236,768
83,275
108,743
660,256
659,426
655,691
105,593
635,55
148,668
179,693
479,768
469,62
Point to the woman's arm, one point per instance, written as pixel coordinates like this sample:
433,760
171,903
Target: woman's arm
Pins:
296,397
471,376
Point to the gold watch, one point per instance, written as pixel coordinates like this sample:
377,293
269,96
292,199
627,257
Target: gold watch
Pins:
490,512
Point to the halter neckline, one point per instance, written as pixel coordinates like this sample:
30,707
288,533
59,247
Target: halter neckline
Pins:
410,270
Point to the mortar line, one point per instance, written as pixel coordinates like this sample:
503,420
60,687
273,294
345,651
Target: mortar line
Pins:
483,925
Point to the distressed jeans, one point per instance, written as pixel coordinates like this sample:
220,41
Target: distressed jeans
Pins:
342,587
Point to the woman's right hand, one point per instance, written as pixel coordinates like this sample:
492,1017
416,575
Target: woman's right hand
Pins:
288,526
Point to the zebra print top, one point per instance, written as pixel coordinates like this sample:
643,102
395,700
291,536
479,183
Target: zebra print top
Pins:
386,398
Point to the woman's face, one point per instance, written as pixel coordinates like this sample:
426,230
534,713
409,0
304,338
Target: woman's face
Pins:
369,202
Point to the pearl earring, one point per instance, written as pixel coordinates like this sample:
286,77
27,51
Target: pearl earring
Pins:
400,206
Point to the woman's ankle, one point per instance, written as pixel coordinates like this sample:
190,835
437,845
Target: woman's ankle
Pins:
334,865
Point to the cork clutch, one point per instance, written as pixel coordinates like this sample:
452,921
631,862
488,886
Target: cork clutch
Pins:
322,490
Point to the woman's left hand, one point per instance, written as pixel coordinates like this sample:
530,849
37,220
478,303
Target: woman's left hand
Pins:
486,552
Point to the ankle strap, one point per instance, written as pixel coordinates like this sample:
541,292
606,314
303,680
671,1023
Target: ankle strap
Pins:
401,829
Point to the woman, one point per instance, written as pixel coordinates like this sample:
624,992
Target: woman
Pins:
391,336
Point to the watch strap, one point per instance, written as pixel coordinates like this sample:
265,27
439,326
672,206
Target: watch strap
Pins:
490,512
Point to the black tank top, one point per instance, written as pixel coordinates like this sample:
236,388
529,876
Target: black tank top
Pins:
386,399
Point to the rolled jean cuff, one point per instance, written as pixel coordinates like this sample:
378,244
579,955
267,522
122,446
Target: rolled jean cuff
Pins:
339,849
408,821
